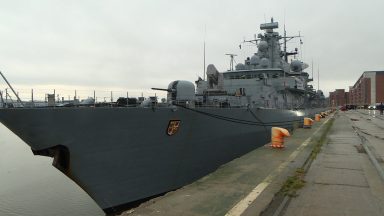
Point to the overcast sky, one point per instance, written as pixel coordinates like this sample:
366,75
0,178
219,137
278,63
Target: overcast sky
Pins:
130,45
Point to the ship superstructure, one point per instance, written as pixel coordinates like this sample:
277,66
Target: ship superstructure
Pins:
265,79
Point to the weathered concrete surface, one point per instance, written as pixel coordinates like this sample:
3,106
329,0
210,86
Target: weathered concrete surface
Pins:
341,181
371,125
220,191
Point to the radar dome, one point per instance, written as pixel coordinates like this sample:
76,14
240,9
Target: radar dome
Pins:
263,46
255,60
264,62
240,66
296,66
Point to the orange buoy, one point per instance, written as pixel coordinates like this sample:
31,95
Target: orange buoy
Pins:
317,117
307,122
277,137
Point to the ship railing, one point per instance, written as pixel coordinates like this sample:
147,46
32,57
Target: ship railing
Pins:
45,97
228,105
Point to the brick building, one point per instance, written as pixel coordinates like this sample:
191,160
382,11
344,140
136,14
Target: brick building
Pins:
368,89
338,97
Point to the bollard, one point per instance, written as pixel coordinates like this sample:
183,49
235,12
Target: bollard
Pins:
277,137
317,117
308,122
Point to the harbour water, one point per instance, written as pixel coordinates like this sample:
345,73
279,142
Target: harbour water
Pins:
30,185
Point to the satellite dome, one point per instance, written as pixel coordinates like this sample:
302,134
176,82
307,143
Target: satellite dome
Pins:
255,60
263,46
264,62
240,66
296,66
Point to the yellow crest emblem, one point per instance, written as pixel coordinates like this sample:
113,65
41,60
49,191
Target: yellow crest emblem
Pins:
173,127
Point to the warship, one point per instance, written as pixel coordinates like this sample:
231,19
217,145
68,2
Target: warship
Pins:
136,149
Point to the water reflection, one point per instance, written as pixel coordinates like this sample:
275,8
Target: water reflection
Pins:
29,185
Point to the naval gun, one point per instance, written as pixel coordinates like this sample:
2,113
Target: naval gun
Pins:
179,91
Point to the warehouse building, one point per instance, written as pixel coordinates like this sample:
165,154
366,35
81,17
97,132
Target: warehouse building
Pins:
338,98
368,89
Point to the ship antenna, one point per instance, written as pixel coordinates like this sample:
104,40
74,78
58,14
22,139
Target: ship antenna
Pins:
285,45
312,69
205,34
318,77
301,49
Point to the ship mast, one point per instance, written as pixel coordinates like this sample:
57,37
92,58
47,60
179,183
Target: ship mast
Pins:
312,69
204,62
285,45
286,39
318,77
205,35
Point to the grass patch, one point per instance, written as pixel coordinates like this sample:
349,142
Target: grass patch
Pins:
294,183
321,140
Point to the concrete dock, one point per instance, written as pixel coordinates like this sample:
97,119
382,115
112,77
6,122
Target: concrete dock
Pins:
341,180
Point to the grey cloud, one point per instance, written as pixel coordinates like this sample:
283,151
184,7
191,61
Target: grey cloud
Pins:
141,44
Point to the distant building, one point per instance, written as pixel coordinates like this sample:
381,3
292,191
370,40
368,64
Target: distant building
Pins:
368,89
338,98
347,97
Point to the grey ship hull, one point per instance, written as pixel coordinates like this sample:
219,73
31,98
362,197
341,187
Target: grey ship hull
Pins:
120,155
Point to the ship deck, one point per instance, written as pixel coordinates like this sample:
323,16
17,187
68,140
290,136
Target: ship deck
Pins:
321,171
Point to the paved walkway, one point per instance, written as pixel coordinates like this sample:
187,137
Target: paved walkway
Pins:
341,181
370,125
219,192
